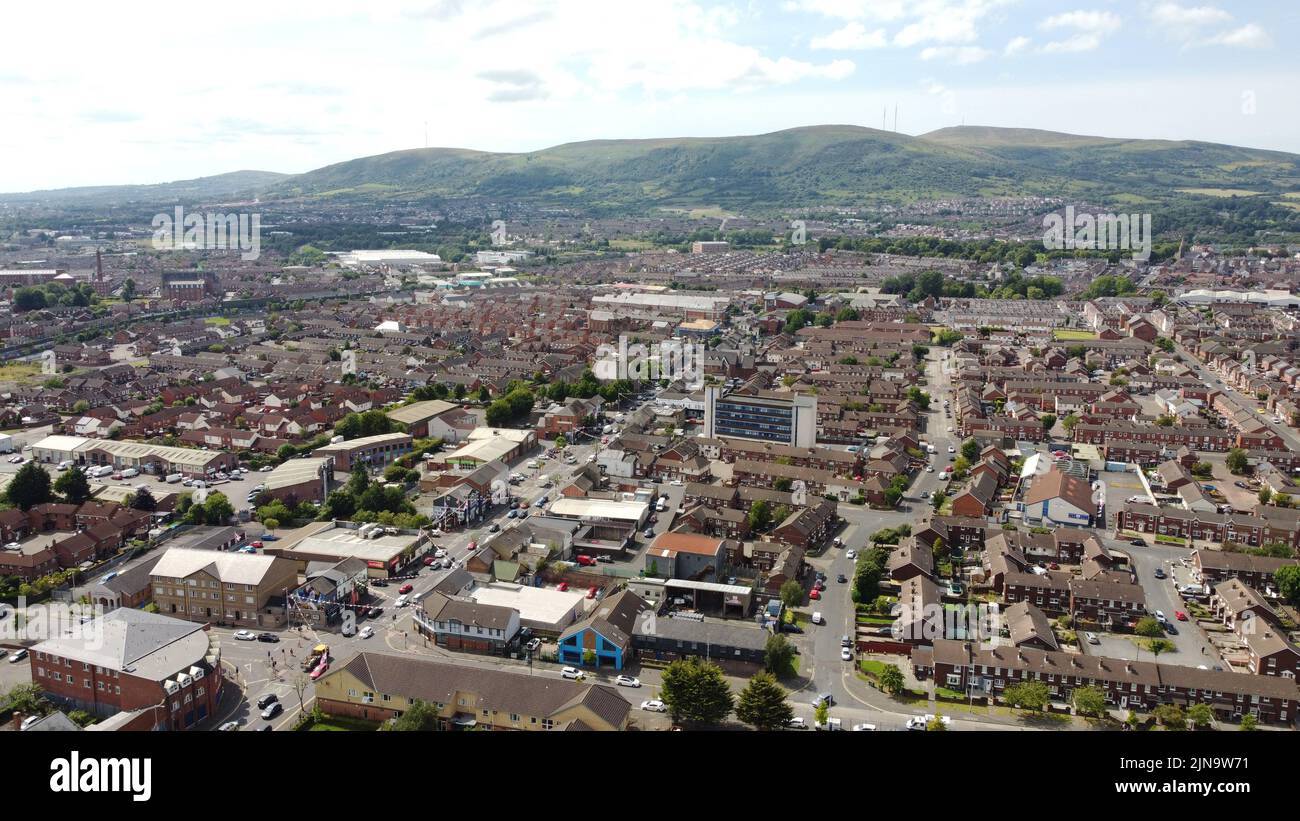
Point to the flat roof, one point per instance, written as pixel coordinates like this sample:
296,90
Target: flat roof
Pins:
364,441
583,508
484,450
128,449
545,605
417,411
296,472
344,542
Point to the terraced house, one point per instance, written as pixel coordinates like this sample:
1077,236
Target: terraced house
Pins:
380,686
1132,685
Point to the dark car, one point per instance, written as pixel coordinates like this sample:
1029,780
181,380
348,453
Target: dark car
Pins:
1137,542
269,638
791,628
378,583
1170,629
1159,574
376,612
494,528
841,578
267,700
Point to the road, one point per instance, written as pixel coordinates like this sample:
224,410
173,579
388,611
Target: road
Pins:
1289,435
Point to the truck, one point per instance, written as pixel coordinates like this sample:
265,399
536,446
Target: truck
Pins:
6,443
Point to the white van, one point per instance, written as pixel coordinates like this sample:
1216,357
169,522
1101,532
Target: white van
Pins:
130,473
817,618
173,478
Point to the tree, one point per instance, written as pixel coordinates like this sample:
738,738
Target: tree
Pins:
970,450
128,290
891,679
791,594
763,704
1201,716
1288,583
1265,495
561,443
1149,627
1049,422
1158,646
1027,695
420,717
696,693
30,486
73,486
142,499
28,699
1236,461
1249,722
760,515
936,724
1089,701
1069,422
821,712
778,655
1170,716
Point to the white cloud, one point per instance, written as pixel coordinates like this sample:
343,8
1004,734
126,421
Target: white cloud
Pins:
1250,35
1180,17
853,37
1016,45
880,10
960,55
1089,28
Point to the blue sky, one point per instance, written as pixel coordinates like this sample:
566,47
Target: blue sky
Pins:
171,91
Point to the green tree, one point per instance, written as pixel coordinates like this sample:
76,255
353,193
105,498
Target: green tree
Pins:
970,450
760,516
821,712
1069,422
1249,723
1158,646
143,499
1049,422
778,656
791,594
30,486
28,699
936,724
696,693
1288,583
419,717
1149,627
1236,461
1089,701
1027,695
73,486
891,679
1201,716
1170,716
128,290
762,704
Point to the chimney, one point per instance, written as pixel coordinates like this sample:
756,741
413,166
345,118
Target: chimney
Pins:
99,266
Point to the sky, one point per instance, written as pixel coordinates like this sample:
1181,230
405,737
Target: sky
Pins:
97,95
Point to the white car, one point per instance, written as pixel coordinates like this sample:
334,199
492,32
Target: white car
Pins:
627,681
796,723
571,672
950,431
245,635
265,469
403,600
864,728
850,554
846,654
1092,638
654,705
929,468
440,554
366,632
952,449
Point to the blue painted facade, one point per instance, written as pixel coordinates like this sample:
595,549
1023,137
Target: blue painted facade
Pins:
573,647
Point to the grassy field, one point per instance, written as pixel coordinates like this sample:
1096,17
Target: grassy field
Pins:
1220,192
216,320
21,372
1067,335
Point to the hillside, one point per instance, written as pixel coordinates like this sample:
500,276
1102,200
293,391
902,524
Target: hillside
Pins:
798,168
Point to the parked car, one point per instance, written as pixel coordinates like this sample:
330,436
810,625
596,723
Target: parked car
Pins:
245,635
17,655
1180,615
824,698
406,588
267,700
627,681
796,723
859,728
850,554
571,673
272,710
846,654
229,726
366,632
1092,638
591,592
1159,574
654,705
815,594
564,587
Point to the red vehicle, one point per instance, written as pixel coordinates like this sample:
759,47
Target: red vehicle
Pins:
428,560
815,594
1053,566
586,561
564,586
321,670
406,588
591,594
1180,615
256,544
